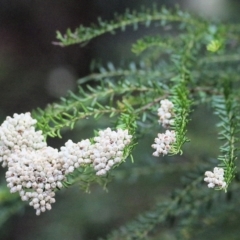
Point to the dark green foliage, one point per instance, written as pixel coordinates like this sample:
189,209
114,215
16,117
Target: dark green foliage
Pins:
195,64
134,18
226,108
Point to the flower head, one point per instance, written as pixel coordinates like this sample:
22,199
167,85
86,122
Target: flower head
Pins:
108,149
165,113
18,133
163,143
215,178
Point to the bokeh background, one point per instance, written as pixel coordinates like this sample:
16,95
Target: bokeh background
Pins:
34,72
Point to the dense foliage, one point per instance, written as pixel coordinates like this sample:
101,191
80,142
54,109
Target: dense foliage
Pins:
192,63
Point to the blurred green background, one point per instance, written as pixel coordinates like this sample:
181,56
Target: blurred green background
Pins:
34,72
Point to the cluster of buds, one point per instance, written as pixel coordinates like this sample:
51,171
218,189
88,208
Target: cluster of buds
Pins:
74,155
215,178
103,154
35,175
163,142
33,170
108,149
36,170
17,134
165,112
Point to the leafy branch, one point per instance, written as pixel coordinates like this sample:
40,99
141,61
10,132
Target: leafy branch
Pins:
182,104
181,203
157,41
146,16
88,103
140,71
226,108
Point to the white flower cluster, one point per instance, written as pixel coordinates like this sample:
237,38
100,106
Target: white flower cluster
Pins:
36,170
35,175
215,178
163,142
108,149
103,154
74,155
165,112
17,134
